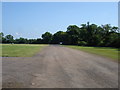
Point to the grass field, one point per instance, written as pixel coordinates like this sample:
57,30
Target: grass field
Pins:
103,51
19,50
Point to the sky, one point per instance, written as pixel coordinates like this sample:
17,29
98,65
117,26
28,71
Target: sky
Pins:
32,19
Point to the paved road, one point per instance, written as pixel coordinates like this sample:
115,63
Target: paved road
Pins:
60,67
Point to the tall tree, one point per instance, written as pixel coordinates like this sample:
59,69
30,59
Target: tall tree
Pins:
1,37
73,32
60,36
9,39
47,37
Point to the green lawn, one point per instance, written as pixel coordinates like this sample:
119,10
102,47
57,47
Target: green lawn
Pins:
20,50
103,51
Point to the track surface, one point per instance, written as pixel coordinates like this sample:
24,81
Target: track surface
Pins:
59,67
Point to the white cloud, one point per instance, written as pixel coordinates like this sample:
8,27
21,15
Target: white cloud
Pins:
17,33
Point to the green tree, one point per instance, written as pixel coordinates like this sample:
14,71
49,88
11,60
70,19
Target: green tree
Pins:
1,37
73,32
47,37
32,41
60,36
89,34
21,41
9,38
106,31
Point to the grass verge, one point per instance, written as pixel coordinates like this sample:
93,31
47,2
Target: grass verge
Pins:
102,51
20,50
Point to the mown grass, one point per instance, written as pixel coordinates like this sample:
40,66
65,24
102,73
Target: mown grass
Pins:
20,50
102,51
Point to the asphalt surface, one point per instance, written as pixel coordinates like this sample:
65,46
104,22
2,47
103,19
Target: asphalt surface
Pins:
59,67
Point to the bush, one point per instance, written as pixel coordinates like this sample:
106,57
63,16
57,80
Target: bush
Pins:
82,43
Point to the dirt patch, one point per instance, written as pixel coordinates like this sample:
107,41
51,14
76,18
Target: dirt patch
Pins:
60,67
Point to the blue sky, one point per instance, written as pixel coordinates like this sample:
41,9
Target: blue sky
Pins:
32,19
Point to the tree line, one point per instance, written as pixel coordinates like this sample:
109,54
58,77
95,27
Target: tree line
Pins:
84,35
